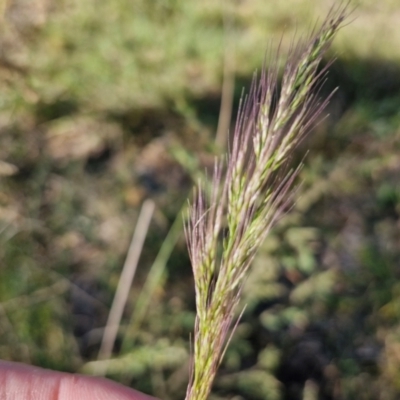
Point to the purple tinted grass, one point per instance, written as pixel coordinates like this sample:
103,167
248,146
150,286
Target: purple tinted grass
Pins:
247,198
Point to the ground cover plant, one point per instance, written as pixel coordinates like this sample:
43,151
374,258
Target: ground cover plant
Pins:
100,108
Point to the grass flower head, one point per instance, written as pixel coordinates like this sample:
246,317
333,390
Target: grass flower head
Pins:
228,222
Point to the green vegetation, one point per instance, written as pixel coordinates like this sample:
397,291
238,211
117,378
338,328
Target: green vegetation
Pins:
103,106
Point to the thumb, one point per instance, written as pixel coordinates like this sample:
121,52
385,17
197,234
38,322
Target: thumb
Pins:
23,382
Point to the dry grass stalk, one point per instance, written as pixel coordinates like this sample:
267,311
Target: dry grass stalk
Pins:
124,285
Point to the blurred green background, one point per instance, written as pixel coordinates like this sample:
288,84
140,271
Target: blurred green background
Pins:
104,104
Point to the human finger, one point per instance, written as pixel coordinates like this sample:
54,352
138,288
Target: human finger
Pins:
24,382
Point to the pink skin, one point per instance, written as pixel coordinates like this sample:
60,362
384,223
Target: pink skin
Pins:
23,382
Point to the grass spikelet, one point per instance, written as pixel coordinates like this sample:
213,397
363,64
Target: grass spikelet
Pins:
228,222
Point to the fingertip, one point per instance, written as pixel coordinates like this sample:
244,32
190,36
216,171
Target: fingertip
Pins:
84,387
